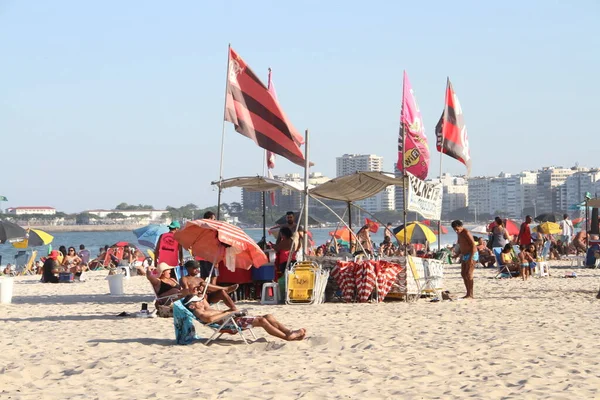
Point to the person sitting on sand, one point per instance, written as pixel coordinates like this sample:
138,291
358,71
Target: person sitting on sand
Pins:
201,310
554,253
8,270
165,287
579,242
51,268
71,261
193,284
486,257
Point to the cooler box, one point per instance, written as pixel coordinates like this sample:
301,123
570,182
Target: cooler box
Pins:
264,273
66,277
238,276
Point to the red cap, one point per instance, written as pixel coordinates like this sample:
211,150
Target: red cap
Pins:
53,254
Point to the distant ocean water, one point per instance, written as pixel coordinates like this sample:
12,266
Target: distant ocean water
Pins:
94,240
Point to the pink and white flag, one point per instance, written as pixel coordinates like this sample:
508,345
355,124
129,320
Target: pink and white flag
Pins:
414,157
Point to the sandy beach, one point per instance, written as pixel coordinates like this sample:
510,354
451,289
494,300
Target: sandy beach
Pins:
534,339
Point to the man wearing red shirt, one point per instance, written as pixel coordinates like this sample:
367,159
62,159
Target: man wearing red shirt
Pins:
524,237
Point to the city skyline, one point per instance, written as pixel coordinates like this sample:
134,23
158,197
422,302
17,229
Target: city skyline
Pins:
570,189
99,106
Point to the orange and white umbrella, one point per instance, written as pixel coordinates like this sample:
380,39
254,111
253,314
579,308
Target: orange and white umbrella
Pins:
217,241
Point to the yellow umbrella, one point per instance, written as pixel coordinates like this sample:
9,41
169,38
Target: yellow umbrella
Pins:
35,237
415,233
549,228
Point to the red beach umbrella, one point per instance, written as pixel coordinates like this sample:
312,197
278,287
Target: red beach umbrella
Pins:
220,241
386,277
511,226
365,280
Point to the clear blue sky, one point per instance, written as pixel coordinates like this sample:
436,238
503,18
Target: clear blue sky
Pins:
110,101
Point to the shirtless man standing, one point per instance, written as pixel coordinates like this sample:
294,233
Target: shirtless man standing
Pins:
468,255
202,311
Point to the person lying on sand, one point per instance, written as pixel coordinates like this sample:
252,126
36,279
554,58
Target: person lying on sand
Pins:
201,310
193,284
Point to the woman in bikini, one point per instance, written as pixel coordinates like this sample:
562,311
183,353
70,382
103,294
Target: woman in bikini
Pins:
165,287
71,261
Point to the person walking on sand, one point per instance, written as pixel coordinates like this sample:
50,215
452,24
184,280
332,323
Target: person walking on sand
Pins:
566,226
468,256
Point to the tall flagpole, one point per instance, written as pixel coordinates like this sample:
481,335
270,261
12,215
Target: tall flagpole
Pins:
223,134
306,167
404,174
441,157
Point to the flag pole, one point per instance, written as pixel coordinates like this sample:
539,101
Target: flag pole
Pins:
223,134
306,167
264,196
404,174
441,157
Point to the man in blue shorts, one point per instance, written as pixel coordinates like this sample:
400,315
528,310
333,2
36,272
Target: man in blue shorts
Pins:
468,256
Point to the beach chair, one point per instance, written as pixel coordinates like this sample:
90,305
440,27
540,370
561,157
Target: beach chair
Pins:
20,258
502,268
301,280
545,254
428,284
185,332
28,268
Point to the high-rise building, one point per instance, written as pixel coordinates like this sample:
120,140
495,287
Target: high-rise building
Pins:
526,193
479,195
251,200
578,184
504,201
551,192
351,163
455,194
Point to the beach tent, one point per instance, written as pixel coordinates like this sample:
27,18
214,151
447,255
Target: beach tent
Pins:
348,188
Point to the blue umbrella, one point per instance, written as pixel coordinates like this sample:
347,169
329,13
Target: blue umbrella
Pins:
148,235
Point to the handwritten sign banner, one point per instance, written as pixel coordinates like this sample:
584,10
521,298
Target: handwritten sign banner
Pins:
424,198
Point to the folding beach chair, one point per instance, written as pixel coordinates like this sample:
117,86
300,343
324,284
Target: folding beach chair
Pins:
502,268
185,333
20,258
428,284
301,281
28,268
545,254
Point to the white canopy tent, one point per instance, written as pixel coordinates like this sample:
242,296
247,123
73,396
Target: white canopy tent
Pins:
347,188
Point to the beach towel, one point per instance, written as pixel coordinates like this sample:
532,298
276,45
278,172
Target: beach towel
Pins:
183,321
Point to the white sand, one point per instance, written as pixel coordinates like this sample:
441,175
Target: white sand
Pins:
534,339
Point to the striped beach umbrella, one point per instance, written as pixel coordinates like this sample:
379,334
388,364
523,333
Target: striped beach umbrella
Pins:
415,232
34,237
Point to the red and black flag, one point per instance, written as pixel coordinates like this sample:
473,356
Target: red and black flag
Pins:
256,113
451,131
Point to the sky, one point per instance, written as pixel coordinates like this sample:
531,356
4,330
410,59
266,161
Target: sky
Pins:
103,102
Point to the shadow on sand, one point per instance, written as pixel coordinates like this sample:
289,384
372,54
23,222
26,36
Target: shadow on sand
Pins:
171,342
82,298
88,317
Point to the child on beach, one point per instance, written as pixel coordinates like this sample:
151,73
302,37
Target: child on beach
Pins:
525,258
